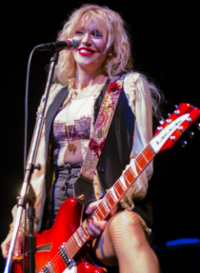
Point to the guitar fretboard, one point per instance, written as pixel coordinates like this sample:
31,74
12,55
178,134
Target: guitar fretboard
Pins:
110,200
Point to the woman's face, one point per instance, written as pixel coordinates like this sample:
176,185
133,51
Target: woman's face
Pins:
90,53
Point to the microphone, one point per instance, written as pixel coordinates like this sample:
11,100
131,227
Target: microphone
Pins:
69,44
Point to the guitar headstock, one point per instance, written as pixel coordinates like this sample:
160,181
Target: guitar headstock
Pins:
172,128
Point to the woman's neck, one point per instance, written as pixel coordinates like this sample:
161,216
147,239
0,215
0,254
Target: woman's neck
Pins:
86,78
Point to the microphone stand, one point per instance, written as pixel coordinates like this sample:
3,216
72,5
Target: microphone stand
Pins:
27,193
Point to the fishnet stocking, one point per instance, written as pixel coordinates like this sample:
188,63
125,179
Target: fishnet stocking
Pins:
124,242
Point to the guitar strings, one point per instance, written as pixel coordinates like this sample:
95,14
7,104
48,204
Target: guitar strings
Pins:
72,245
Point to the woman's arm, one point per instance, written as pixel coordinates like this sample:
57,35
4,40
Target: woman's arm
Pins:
139,96
37,181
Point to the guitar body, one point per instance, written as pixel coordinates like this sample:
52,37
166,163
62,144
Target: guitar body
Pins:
68,219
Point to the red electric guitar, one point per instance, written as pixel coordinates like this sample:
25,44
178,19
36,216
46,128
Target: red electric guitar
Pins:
57,249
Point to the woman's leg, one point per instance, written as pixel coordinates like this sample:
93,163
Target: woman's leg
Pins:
124,242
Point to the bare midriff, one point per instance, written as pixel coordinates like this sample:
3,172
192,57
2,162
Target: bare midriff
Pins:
70,157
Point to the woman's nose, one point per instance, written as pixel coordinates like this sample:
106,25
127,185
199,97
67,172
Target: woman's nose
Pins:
86,40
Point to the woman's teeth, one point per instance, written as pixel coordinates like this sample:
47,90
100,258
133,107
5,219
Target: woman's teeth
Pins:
86,51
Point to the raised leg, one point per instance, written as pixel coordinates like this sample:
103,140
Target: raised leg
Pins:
124,243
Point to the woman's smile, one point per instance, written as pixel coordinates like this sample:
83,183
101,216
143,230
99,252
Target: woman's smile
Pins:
85,51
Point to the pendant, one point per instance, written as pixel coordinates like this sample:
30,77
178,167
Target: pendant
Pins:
71,147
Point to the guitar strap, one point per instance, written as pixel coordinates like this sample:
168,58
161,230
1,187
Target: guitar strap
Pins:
101,129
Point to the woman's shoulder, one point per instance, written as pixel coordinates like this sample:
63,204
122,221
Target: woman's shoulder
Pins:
55,88
134,78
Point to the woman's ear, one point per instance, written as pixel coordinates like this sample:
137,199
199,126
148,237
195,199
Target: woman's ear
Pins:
111,51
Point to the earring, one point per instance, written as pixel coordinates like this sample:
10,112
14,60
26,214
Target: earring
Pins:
110,54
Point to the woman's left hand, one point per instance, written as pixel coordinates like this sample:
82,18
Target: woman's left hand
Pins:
95,227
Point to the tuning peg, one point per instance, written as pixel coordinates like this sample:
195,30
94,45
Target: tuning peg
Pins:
180,128
168,121
189,120
173,138
177,112
191,134
161,122
198,126
159,128
176,106
169,114
183,143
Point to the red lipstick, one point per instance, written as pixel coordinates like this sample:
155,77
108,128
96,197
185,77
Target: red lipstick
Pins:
84,53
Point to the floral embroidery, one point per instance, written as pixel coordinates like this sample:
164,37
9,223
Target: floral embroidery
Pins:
101,128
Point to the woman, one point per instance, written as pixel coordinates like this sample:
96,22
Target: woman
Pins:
103,54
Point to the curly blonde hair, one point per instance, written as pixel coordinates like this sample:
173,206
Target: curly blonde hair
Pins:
116,36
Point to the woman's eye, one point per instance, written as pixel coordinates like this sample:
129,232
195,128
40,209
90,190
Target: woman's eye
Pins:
97,33
79,32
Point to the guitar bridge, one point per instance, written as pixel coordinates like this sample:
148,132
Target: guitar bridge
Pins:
68,262
48,268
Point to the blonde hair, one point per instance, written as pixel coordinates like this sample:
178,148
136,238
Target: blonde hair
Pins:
118,42
116,36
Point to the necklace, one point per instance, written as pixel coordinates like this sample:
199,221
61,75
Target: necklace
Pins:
71,147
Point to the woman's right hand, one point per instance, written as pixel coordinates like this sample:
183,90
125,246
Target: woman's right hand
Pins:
18,246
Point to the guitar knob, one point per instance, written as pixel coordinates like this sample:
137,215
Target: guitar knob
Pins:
191,134
198,126
183,143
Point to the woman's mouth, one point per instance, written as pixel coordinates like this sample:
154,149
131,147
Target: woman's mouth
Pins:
85,51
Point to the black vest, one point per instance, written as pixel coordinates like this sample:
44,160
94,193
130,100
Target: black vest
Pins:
114,158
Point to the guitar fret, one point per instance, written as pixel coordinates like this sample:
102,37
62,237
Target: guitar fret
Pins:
73,246
69,249
137,167
81,238
128,183
103,209
122,182
129,175
97,216
149,154
99,210
119,189
113,194
99,213
103,202
144,157
141,162
117,193
77,240
83,228
109,200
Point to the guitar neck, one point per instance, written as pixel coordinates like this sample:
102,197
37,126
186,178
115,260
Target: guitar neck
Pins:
110,200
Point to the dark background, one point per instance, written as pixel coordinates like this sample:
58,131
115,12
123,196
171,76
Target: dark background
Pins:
165,48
